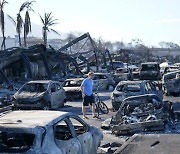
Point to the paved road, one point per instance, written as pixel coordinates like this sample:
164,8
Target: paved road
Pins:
75,107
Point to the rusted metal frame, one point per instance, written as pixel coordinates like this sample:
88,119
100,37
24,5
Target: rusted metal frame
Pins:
73,42
110,58
75,64
95,52
85,61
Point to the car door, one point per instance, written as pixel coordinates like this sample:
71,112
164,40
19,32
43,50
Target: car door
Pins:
65,138
83,135
95,82
60,93
100,82
148,89
156,90
54,95
151,88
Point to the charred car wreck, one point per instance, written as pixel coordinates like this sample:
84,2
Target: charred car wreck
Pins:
47,132
171,82
40,94
142,113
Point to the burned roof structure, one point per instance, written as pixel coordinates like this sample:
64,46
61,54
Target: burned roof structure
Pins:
39,62
88,54
35,62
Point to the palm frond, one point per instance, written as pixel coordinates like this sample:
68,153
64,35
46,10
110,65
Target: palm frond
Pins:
55,31
23,6
19,23
27,23
42,20
12,19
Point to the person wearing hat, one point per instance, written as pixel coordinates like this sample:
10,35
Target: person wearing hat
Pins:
87,95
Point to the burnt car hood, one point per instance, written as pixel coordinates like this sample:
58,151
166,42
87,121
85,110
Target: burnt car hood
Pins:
28,96
72,89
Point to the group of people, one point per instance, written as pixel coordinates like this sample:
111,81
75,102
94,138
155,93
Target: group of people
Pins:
87,95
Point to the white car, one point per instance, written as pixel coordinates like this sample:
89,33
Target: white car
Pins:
43,94
47,132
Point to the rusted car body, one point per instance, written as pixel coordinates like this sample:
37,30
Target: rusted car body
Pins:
43,94
171,82
125,89
47,132
150,71
143,112
72,88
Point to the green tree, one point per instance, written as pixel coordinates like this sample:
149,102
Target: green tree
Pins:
2,23
47,22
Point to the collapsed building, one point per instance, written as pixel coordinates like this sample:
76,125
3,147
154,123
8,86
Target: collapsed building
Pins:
39,62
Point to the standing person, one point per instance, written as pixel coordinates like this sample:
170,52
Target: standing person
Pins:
87,95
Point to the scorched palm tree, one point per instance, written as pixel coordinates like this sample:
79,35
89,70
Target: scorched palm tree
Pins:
47,22
27,20
2,23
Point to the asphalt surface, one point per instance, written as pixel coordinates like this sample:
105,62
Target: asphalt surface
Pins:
75,107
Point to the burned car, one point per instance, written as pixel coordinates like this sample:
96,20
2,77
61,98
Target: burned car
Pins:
104,81
142,113
49,132
150,71
6,96
72,88
122,74
125,89
171,82
43,94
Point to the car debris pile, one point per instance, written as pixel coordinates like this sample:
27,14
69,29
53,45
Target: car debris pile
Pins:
141,113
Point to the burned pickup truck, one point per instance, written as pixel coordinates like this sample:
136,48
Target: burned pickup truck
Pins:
142,113
171,82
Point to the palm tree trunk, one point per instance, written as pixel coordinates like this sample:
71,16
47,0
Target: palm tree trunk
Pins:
3,45
24,37
45,37
19,36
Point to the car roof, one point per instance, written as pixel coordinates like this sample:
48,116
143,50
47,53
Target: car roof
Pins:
70,79
42,81
131,82
149,63
31,119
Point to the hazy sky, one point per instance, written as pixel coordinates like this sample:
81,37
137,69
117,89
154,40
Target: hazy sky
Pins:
152,21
